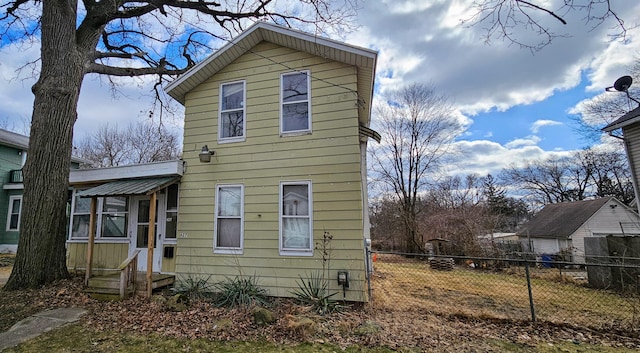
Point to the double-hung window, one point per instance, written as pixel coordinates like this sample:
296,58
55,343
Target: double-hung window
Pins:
295,108
296,224
13,216
229,225
231,123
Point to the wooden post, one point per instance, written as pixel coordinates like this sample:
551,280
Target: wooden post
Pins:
90,241
150,243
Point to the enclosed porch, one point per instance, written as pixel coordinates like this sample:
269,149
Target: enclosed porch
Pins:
122,232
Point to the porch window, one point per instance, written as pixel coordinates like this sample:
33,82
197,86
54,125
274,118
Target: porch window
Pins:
81,212
13,216
114,217
229,222
231,123
172,212
295,113
296,231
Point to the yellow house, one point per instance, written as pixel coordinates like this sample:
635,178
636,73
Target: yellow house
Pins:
275,139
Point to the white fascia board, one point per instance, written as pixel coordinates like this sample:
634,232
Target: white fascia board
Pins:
167,168
255,31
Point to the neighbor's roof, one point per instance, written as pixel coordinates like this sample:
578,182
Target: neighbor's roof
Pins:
627,119
560,220
21,142
12,139
364,59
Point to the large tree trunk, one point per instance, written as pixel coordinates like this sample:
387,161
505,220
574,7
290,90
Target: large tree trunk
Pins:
41,256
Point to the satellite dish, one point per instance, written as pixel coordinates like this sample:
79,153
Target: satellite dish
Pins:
623,83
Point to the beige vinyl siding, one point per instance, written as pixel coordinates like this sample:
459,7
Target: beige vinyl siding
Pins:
329,157
632,144
106,256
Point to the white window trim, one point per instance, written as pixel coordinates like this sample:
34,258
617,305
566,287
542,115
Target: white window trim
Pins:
228,250
295,252
100,213
244,114
9,214
308,100
98,220
171,241
73,207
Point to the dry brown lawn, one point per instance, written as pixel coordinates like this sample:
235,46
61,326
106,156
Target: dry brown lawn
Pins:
406,284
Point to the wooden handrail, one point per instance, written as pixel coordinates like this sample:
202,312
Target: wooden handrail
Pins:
128,273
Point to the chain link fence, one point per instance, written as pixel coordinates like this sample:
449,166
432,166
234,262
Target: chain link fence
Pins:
604,295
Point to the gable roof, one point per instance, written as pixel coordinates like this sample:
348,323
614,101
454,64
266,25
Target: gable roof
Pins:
625,120
14,140
21,142
560,220
364,59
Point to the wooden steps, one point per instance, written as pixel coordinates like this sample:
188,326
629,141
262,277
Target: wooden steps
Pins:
107,287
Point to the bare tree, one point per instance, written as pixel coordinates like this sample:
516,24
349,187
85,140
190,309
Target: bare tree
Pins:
116,38
500,18
547,181
606,108
457,213
585,174
610,173
144,142
417,127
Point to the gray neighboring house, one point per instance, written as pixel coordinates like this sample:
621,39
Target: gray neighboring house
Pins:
13,154
562,227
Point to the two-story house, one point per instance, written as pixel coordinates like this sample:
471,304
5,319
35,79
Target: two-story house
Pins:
283,118
13,154
275,139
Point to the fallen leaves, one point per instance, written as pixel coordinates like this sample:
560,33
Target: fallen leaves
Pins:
397,328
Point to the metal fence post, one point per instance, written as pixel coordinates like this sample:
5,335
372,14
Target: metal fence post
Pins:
533,309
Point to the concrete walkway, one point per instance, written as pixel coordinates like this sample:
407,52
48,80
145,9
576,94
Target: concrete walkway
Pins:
38,324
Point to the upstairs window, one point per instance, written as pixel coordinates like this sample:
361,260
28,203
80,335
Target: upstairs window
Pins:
296,103
229,219
296,226
13,216
231,124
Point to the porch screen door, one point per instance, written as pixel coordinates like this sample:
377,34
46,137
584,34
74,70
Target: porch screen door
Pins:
140,228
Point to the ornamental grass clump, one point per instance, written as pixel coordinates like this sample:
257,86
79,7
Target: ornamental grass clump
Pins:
314,292
195,288
240,291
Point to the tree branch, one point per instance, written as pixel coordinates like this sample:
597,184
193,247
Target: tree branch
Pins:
130,72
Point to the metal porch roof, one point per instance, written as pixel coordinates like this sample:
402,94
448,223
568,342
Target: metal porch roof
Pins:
144,186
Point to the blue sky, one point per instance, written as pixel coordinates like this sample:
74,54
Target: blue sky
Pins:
556,133
515,104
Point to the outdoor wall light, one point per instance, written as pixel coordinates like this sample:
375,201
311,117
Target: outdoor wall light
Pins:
205,154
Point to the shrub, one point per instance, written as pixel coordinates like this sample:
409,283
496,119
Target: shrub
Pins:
194,287
314,291
240,291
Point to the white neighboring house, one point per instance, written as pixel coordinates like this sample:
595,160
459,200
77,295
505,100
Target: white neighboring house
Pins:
563,226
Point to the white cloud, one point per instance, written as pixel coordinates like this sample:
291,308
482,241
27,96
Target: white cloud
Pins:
535,128
521,142
481,76
484,157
